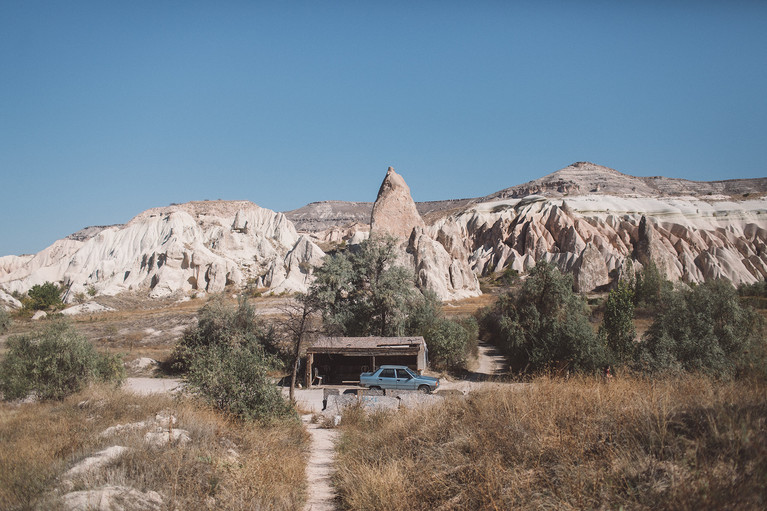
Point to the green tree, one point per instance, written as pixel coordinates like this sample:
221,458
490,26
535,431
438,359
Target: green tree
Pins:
54,362
649,286
449,342
544,323
45,296
364,291
617,330
703,328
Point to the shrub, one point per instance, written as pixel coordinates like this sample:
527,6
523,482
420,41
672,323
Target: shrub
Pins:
449,342
53,363
220,324
235,380
227,358
543,324
703,328
45,296
617,330
5,320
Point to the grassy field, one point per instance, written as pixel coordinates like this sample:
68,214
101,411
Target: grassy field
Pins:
226,465
688,443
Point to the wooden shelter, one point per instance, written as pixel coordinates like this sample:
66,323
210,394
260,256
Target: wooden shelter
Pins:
342,359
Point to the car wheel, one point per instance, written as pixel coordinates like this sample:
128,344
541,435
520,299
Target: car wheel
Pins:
425,389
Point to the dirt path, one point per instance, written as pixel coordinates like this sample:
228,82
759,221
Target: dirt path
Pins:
491,362
319,469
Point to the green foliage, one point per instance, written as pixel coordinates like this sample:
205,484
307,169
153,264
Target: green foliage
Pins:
44,297
364,292
5,320
227,358
510,276
704,329
91,291
649,287
543,324
53,363
235,379
754,294
617,330
449,342
219,324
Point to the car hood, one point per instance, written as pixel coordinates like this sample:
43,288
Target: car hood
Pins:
428,378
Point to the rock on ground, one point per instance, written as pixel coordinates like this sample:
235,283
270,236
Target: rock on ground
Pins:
112,498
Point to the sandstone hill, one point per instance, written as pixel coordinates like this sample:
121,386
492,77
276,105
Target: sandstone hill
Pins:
587,219
192,247
590,220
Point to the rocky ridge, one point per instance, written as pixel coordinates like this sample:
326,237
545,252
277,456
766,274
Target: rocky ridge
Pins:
192,247
588,219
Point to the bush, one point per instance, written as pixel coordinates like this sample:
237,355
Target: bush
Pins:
220,324
705,329
235,380
227,358
5,320
449,342
544,324
44,297
617,331
53,363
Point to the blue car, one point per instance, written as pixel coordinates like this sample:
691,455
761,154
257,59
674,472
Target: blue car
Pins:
399,378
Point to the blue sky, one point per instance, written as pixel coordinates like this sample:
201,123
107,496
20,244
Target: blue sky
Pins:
108,108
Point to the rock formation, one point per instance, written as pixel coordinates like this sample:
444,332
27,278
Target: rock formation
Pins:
394,211
585,218
439,259
192,247
594,235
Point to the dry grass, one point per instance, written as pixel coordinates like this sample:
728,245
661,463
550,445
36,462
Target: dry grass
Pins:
468,306
227,465
689,443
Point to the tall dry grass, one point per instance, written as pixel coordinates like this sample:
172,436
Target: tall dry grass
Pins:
688,443
227,464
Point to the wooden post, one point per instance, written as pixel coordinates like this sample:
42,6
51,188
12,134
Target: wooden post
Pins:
374,364
309,364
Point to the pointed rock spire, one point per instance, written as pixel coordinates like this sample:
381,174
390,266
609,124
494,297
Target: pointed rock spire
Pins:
394,211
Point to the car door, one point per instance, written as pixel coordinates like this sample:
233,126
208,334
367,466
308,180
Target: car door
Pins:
387,379
405,380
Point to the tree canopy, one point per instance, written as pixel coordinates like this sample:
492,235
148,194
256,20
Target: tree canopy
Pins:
364,291
544,324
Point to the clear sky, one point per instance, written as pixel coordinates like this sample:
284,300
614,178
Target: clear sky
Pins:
110,108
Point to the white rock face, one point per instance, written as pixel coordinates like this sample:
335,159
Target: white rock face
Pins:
188,247
593,235
8,302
